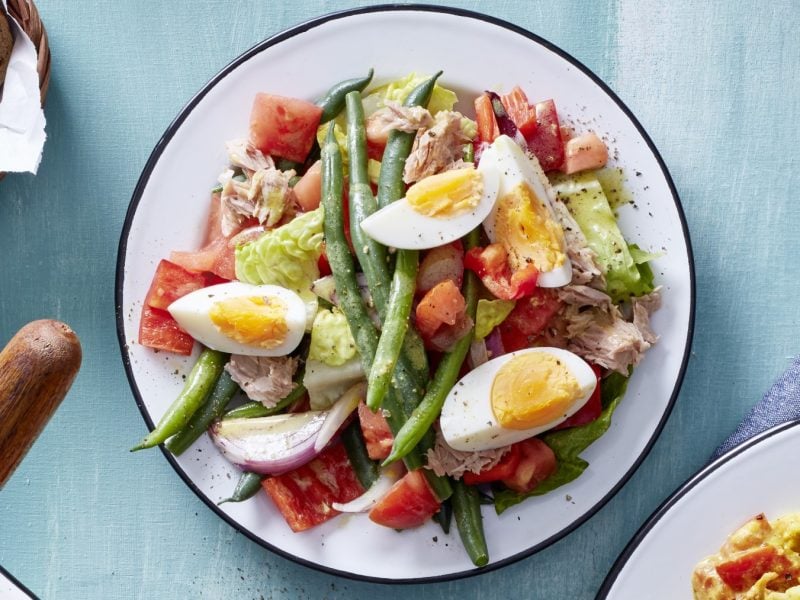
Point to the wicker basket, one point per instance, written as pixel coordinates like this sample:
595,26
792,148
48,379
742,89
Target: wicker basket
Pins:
25,13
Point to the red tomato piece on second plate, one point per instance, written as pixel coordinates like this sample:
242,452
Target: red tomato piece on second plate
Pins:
171,282
409,503
377,435
742,569
158,330
305,495
285,127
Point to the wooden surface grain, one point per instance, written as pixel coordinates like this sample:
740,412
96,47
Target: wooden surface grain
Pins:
716,86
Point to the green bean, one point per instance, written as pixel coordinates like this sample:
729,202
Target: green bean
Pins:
467,511
251,410
394,329
212,409
469,153
398,147
199,384
363,329
445,516
247,487
366,469
446,375
333,101
373,258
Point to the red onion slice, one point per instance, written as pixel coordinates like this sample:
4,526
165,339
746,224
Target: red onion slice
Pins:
389,475
269,445
338,414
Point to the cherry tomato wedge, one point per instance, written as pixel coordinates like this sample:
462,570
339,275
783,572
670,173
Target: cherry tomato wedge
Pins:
503,470
409,503
158,330
537,462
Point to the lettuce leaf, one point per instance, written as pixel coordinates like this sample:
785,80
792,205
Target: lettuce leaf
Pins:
399,89
490,314
587,202
567,444
286,256
331,340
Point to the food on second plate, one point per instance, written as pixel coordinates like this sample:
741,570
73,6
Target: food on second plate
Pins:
422,311
759,561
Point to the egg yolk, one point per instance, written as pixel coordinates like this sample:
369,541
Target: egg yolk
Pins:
524,225
447,194
256,321
532,390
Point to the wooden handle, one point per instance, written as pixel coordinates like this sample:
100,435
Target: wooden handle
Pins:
36,371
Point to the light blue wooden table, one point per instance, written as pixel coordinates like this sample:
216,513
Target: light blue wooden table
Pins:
716,85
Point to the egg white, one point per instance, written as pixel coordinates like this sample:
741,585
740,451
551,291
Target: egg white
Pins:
192,314
515,167
399,225
467,420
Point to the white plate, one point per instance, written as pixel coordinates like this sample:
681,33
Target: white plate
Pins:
11,589
695,521
476,53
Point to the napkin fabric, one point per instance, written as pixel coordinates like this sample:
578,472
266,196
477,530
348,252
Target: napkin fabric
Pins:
779,405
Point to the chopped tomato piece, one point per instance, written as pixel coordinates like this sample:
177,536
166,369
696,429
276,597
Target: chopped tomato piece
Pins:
285,127
308,190
591,410
491,265
505,469
377,435
532,314
409,503
158,330
584,152
743,569
305,495
443,305
545,142
171,282
439,264
520,111
484,116
537,462
217,257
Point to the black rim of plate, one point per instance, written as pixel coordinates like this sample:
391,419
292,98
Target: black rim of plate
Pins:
289,33
17,583
677,495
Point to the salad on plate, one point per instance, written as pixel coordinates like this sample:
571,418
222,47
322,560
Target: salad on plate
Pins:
404,311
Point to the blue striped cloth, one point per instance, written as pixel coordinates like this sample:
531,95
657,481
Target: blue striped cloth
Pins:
779,405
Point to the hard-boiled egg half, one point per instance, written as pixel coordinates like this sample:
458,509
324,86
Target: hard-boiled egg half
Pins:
514,397
240,318
436,210
523,219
